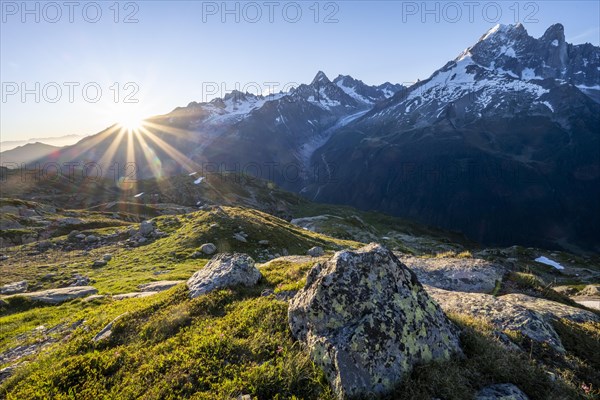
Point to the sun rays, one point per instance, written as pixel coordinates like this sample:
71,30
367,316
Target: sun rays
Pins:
134,149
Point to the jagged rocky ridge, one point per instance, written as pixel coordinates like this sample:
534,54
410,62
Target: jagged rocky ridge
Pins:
500,143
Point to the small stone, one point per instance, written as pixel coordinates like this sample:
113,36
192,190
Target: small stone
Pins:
315,251
91,239
94,297
69,221
133,295
146,228
240,237
263,242
208,248
73,235
158,286
99,264
107,257
106,332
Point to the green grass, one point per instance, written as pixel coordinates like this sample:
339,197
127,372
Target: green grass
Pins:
168,258
286,275
531,284
486,362
234,342
217,346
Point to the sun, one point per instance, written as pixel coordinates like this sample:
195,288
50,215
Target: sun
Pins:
131,123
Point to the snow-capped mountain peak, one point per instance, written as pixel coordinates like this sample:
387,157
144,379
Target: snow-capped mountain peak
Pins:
320,79
501,31
505,72
364,93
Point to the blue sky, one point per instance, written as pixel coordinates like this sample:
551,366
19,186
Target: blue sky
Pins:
175,52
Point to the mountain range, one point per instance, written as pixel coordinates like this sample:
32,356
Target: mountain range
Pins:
501,143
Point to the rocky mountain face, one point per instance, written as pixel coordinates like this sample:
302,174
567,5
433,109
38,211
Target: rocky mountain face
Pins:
25,154
501,143
272,137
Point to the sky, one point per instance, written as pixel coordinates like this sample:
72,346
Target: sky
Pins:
75,68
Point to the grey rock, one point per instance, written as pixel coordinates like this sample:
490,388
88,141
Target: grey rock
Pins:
208,248
224,270
263,242
132,295
13,288
551,309
158,286
56,296
80,280
593,303
69,221
106,332
7,372
240,237
142,240
99,264
366,321
315,251
94,297
146,228
501,313
503,391
590,291
457,274
91,239
80,236
107,257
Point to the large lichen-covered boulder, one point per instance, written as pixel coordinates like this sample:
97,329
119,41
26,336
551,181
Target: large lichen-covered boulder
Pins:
224,270
366,321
